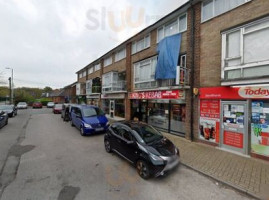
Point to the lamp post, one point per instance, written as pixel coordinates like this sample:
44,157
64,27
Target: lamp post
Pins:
12,85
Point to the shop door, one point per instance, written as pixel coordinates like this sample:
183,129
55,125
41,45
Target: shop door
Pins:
111,108
234,133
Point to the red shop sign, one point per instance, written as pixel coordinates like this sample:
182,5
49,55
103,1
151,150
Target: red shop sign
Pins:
164,94
233,139
235,93
210,108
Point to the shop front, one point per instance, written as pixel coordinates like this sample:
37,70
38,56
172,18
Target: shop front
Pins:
165,110
236,119
93,100
114,105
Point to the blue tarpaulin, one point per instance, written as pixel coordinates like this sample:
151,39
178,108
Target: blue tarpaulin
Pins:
168,49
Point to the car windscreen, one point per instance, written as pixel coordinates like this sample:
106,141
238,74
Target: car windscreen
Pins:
6,107
91,112
58,105
148,134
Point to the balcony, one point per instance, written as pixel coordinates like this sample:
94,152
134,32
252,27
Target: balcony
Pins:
114,87
93,90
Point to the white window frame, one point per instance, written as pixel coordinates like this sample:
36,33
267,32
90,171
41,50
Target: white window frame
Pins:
80,75
90,70
84,73
118,55
134,44
139,63
108,61
97,67
215,15
242,33
169,23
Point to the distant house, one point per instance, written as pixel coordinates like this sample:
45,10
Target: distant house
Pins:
58,96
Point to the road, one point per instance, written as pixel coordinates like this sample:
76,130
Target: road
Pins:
44,158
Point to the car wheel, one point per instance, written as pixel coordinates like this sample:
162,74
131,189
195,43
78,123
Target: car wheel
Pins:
107,146
71,122
142,169
82,133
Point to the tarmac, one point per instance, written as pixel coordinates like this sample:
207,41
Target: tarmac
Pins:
246,174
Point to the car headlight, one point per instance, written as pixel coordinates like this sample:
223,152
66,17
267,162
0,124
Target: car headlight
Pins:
177,151
87,125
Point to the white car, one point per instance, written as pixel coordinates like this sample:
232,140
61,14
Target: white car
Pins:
50,104
22,105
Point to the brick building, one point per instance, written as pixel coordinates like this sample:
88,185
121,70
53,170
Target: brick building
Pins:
213,97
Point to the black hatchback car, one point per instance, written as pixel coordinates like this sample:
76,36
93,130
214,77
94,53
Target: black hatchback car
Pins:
143,146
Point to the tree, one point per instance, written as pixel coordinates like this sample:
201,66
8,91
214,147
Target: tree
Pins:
47,89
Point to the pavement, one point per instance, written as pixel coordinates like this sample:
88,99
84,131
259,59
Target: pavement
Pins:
249,175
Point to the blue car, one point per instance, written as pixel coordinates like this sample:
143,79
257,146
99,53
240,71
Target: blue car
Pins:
88,119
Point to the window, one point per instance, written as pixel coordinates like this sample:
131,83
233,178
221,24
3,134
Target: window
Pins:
108,61
84,74
176,26
89,87
120,54
90,70
145,73
245,51
97,67
213,8
141,44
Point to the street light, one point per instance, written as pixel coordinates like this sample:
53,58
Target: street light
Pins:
12,85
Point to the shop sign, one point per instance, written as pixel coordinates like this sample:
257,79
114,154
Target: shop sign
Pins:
254,92
93,96
113,96
163,94
233,139
234,93
210,120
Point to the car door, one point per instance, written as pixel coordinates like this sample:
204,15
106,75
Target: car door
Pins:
78,118
115,138
128,146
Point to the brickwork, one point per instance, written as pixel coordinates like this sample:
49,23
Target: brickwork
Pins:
210,61
119,66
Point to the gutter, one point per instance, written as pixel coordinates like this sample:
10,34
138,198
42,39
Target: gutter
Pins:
192,65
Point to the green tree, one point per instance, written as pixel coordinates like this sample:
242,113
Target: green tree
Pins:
47,89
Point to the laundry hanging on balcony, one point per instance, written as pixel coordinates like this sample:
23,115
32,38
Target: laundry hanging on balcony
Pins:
168,50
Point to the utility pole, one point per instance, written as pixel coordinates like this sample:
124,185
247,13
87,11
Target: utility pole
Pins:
10,90
12,85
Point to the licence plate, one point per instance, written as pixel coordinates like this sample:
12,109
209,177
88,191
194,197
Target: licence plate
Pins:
99,129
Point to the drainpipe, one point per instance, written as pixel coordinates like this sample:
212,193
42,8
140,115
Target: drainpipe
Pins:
192,65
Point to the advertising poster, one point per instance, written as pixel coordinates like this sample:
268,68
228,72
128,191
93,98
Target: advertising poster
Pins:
260,128
209,120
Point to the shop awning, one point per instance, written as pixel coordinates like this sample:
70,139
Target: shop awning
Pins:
168,50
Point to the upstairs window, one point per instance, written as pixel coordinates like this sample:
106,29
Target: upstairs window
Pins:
84,74
97,67
213,8
90,70
108,61
245,51
178,25
80,75
120,54
141,44
145,73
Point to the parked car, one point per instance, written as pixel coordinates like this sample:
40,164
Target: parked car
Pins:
143,146
66,108
88,119
3,119
22,105
37,105
57,109
50,104
11,110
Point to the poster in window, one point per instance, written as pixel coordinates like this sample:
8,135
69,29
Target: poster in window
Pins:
209,120
260,128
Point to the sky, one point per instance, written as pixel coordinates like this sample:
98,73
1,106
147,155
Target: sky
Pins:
47,42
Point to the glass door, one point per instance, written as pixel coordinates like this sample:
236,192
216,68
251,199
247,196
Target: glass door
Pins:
111,108
234,133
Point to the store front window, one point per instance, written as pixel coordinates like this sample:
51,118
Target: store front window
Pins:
120,108
105,106
178,116
158,113
260,128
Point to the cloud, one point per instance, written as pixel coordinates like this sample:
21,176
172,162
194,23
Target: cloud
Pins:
46,42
